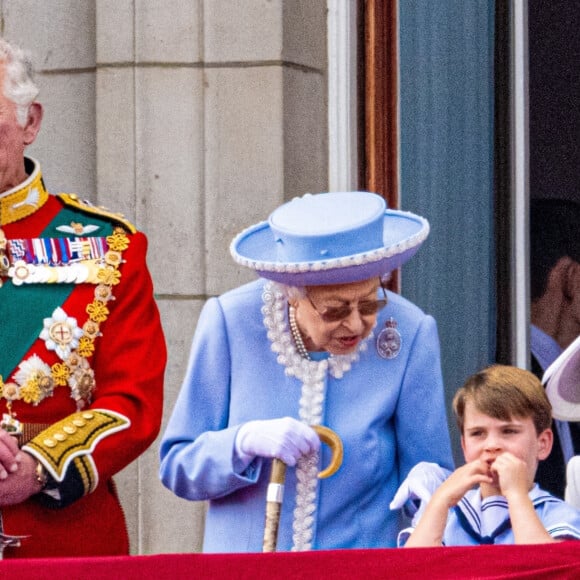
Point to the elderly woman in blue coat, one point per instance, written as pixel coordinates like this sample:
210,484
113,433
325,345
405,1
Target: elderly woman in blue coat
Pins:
316,340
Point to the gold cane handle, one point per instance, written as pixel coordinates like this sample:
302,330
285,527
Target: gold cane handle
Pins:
331,439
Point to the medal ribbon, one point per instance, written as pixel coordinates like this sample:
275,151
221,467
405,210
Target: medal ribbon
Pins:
56,251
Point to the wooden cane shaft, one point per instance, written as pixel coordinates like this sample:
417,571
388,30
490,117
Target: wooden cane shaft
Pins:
278,471
273,510
275,495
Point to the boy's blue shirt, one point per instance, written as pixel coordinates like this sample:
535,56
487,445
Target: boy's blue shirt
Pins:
475,521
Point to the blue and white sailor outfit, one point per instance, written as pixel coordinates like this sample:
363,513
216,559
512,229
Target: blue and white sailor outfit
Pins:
476,520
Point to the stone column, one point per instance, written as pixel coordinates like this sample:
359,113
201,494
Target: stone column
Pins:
209,115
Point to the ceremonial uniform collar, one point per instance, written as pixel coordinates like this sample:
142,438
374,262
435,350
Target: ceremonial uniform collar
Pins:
24,199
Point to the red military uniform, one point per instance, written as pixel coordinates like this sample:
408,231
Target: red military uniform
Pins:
81,364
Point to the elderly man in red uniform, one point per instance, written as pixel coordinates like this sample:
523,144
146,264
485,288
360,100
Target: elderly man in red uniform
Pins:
82,349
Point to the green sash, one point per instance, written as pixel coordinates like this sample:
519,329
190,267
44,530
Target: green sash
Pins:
24,308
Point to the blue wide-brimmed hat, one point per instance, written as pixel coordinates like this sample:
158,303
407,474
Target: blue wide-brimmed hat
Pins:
330,238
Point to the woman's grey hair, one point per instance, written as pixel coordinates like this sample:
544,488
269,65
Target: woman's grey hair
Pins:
291,292
19,84
299,292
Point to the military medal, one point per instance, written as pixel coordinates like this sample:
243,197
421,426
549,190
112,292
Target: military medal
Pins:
389,340
61,333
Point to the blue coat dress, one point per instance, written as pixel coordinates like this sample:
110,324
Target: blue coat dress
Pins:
389,413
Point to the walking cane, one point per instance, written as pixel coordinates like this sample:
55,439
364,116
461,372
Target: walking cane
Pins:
275,493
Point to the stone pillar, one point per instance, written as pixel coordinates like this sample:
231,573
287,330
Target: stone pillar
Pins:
209,114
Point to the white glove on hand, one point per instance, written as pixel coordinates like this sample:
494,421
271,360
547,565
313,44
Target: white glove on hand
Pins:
286,439
420,484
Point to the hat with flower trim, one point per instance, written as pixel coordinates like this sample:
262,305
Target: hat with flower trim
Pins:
330,238
562,380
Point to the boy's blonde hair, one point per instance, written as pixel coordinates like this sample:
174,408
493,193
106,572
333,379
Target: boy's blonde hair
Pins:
503,392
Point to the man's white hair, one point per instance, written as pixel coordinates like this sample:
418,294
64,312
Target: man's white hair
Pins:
19,84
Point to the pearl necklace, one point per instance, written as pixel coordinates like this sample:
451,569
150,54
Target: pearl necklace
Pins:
290,354
296,334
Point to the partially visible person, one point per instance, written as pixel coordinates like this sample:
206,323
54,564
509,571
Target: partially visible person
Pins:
555,313
562,382
504,418
316,340
83,352
572,493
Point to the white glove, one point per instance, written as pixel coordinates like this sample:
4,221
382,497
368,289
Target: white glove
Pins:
286,439
420,484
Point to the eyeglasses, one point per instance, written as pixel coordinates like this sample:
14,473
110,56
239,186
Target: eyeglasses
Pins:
366,308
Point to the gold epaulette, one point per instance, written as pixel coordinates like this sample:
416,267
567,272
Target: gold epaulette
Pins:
73,439
73,200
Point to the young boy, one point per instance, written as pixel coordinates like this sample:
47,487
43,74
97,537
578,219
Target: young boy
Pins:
504,418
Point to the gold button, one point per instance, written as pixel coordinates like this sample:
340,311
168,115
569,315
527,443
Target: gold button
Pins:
70,429
49,443
88,415
79,422
59,436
